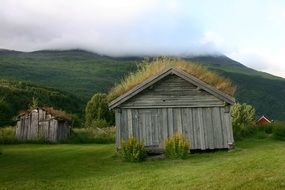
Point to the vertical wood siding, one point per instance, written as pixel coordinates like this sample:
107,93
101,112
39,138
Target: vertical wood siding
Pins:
206,128
38,125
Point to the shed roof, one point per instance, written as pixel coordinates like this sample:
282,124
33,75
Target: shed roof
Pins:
168,71
263,118
57,114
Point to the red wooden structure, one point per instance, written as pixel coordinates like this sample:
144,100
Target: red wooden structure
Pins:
263,120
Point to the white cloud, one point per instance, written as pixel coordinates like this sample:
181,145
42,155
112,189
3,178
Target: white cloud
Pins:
212,38
144,27
263,59
97,25
214,42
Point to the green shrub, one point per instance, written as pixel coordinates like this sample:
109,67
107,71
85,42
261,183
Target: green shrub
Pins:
243,120
279,130
268,128
97,113
132,150
177,146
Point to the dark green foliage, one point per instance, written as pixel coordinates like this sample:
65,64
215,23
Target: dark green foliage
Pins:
80,72
267,128
243,120
97,113
275,130
279,130
6,113
132,150
19,96
177,147
264,91
266,95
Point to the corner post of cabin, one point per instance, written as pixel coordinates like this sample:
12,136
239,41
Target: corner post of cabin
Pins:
118,112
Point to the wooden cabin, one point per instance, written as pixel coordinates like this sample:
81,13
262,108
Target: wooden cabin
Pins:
174,101
263,120
43,124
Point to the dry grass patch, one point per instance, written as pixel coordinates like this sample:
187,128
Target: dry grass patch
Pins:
147,69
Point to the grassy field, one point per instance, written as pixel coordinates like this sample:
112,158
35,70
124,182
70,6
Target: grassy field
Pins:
254,164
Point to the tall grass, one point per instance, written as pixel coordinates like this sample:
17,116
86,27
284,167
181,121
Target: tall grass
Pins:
78,136
92,135
8,135
147,69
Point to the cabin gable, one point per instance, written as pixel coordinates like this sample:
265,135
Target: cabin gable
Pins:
148,83
172,91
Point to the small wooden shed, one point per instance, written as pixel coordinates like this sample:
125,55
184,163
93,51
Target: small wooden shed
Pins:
43,123
174,101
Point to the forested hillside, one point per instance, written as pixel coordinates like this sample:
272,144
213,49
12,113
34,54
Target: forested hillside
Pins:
16,96
266,92
79,72
83,73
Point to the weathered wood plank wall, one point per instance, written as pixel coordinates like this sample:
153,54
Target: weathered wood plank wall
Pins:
40,125
172,105
206,128
175,92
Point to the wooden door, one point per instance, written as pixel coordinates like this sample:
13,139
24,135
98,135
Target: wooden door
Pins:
149,124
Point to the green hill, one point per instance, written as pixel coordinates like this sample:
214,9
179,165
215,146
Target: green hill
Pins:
76,71
266,92
16,96
83,73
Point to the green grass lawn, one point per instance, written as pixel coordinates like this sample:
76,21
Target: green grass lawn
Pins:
254,164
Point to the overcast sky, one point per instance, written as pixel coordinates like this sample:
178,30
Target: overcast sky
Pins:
249,31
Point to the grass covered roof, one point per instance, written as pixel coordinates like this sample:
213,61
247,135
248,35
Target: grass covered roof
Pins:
147,69
57,114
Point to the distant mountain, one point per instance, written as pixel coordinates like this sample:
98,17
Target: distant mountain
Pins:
84,73
79,72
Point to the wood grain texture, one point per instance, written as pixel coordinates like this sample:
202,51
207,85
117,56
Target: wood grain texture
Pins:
172,91
165,73
38,125
171,102
206,128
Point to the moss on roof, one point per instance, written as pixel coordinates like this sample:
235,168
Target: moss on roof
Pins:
147,69
57,114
